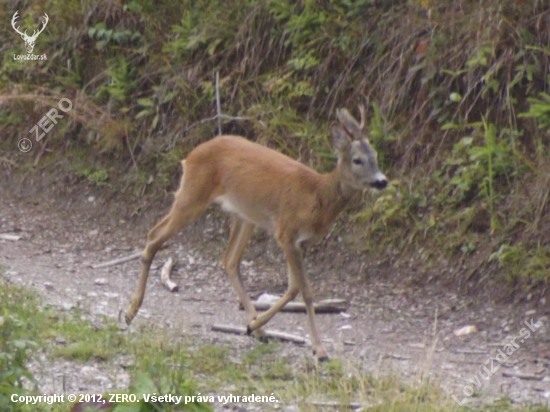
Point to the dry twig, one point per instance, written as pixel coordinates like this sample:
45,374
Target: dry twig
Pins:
117,261
165,276
7,236
270,333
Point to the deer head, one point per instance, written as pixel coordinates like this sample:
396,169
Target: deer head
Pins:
357,158
29,40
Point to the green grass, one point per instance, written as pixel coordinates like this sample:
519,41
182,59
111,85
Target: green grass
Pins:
164,363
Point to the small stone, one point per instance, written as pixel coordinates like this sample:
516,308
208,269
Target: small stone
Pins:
267,298
67,306
88,370
466,330
101,281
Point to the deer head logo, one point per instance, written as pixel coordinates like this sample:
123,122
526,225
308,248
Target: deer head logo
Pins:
29,40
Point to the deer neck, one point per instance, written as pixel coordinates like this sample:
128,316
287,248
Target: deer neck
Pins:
334,194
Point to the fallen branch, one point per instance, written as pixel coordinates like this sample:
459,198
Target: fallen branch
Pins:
396,356
526,376
324,306
269,333
165,276
117,261
329,404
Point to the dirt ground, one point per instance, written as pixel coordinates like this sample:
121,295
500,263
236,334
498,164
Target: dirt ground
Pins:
391,325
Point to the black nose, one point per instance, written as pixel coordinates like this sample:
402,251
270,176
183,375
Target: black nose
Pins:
380,184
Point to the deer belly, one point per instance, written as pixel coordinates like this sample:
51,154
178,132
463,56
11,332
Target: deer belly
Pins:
253,214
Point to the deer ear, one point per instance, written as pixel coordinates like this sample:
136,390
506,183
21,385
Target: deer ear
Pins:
350,125
339,139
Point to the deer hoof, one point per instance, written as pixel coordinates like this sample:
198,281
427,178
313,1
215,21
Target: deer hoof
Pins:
129,316
249,329
321,355
324,358
260,335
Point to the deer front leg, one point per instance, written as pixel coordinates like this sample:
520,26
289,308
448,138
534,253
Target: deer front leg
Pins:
305,289
262,319
297,281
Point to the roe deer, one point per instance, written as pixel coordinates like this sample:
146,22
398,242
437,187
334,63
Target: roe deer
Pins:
261,187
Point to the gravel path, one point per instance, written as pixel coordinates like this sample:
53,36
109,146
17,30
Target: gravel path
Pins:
389,324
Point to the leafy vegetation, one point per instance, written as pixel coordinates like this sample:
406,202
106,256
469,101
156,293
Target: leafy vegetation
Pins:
459,95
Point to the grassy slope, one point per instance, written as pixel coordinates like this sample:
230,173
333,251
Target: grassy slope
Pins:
449,85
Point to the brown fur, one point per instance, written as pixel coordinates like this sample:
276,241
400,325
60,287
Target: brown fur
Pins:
261,187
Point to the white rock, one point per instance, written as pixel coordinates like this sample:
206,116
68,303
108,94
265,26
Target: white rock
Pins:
466,330
267,298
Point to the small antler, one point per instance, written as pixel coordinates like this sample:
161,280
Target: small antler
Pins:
13,24
35,32
363,112
46,20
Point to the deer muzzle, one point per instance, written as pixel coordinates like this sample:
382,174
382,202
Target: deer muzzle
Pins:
380,181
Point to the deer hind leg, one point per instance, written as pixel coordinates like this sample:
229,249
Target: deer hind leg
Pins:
186,210
241,231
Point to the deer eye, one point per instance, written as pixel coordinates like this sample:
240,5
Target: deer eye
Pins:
358,161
